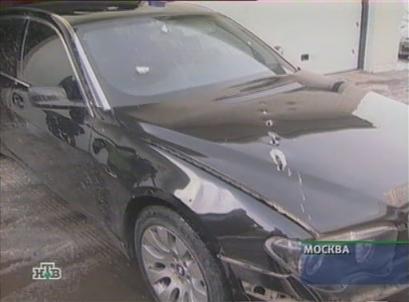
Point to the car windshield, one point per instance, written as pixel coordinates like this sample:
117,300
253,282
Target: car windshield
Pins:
151,58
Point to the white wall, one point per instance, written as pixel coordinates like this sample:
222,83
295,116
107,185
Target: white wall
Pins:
384,20
328,31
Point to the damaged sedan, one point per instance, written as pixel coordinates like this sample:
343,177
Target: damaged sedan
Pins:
213,161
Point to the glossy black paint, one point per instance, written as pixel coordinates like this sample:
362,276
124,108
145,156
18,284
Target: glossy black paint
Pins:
300,156
331,128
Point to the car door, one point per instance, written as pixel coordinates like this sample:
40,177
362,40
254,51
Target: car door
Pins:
56,142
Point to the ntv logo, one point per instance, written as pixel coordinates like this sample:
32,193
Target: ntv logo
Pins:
47,271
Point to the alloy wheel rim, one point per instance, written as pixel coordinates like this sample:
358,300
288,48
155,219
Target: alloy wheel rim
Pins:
170,266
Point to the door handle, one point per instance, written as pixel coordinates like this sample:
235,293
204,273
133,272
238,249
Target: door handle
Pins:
18,100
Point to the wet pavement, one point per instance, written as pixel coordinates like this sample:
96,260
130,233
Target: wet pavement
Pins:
37,226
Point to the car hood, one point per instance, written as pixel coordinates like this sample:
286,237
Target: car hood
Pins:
325,152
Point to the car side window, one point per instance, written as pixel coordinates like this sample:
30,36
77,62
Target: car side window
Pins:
11,32
46,62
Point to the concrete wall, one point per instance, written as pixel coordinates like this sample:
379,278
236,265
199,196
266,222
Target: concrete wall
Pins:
317,35
383,36
328,31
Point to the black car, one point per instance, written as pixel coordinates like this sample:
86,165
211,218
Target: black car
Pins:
209,156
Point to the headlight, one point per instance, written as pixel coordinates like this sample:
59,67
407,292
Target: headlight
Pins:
291,255
363,247
286,252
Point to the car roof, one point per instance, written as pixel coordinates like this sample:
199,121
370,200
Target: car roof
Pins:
81,12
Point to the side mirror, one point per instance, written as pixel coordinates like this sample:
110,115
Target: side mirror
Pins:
72,89
44,95
67,91
55,97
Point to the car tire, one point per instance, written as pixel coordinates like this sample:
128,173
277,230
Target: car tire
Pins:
174,261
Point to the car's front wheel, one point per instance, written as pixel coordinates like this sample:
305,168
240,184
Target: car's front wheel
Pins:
175,262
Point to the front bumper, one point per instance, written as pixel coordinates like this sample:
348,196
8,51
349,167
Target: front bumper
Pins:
271,282
263,285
